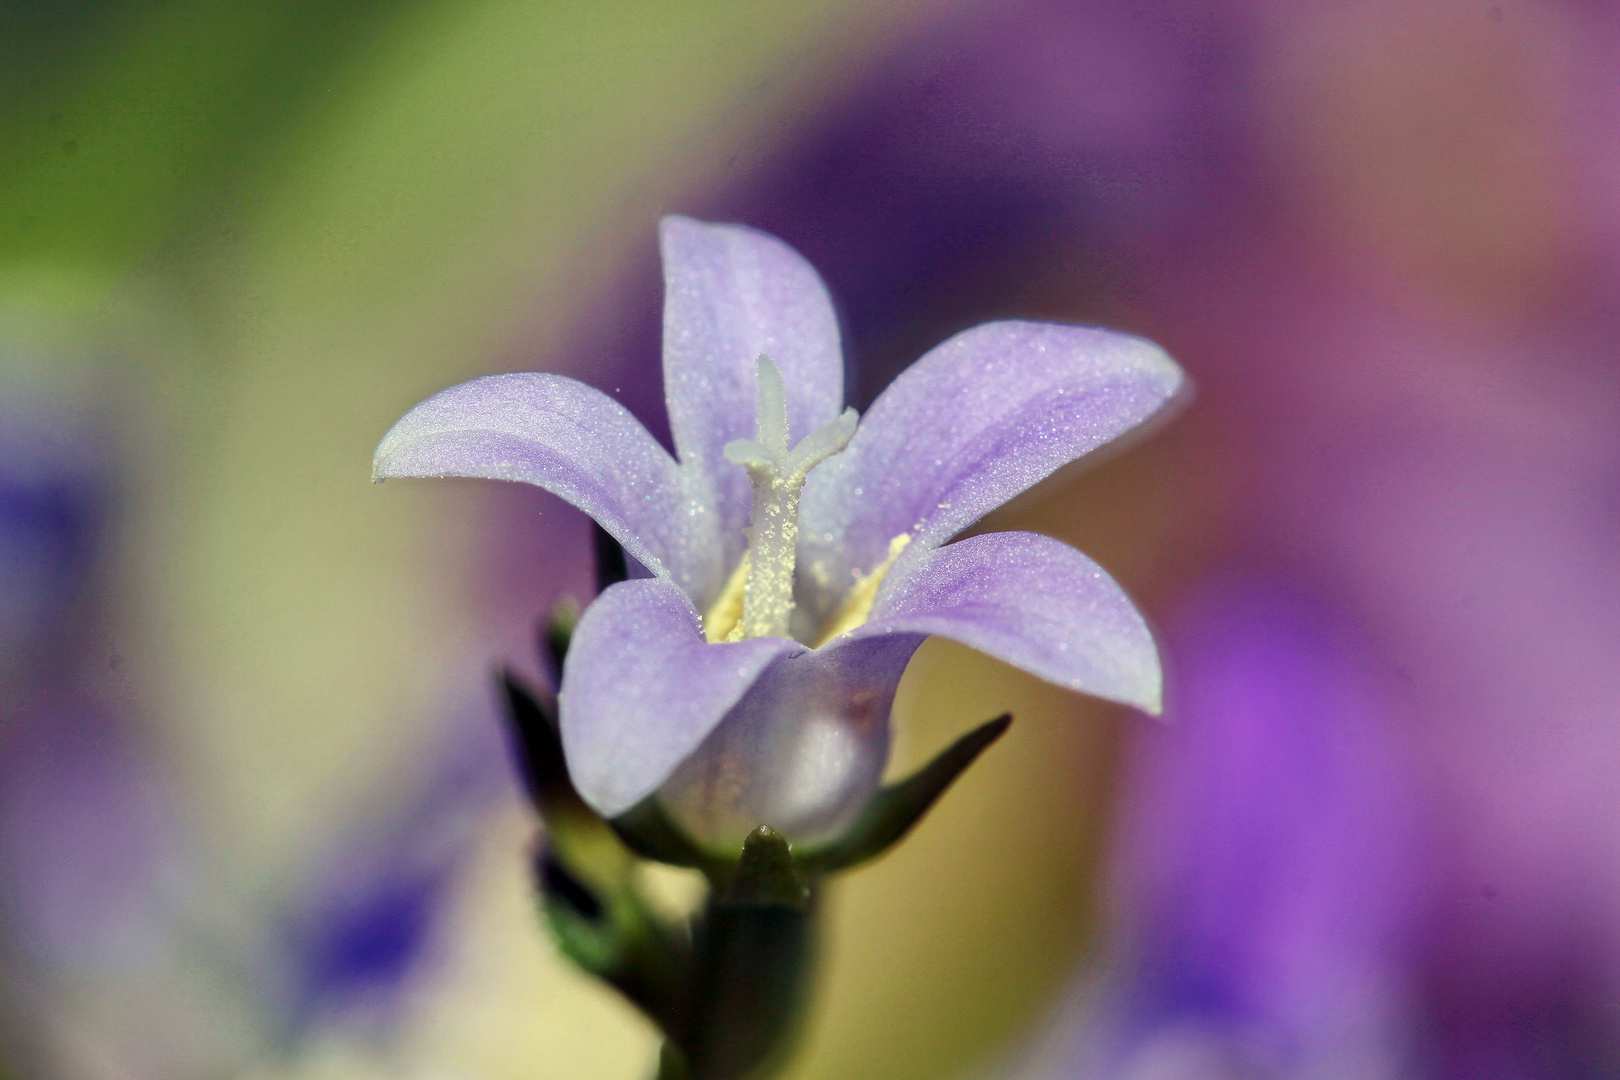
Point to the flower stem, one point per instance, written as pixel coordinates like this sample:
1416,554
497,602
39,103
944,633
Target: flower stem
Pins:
752,980
752,947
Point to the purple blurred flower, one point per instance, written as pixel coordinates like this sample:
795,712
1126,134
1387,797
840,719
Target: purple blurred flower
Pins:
115,920
1270,859
749,679
123,938
369,915
54,505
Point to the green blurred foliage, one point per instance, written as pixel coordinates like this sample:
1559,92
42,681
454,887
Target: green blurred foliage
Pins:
117,119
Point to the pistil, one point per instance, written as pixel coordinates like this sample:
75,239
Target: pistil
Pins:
777,474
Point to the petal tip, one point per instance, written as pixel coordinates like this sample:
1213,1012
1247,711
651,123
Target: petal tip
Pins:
1154,705
1152,358
385,466
679,235
1148,695
604,800
675,229
670,227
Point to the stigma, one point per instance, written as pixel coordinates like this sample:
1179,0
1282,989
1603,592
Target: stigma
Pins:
777,474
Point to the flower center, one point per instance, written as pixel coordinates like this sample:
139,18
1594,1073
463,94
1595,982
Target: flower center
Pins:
777,474
857,605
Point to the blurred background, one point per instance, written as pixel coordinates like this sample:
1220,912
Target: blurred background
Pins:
256,815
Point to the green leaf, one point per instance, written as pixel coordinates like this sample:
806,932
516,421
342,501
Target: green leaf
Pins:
611,933
579,919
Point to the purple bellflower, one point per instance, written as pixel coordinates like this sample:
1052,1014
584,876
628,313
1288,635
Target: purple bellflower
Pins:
796,559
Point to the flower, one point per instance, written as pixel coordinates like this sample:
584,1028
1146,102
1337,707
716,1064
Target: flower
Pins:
748,677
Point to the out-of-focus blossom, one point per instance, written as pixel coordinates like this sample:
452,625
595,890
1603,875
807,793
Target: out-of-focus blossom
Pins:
129,951
54,505
126,949
772,705
1269,856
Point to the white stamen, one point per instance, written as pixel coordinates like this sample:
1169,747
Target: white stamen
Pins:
777,474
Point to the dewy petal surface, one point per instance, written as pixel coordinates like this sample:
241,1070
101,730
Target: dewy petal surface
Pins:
730,294
642,690
1035,603
575,442
977,420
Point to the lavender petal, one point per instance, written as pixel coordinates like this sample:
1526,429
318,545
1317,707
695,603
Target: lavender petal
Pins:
730,294
977,420
575,442
642,690
1032,602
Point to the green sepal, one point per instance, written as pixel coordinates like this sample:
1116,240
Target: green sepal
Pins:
573,830
540,753
579,918
586,876
610,932
897,808
647,829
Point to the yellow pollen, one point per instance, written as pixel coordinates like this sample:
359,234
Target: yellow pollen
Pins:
723,620
857,605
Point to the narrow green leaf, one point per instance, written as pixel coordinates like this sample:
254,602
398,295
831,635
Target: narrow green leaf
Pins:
611,933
